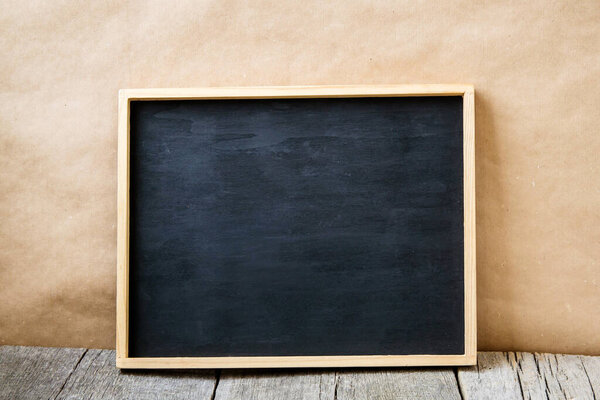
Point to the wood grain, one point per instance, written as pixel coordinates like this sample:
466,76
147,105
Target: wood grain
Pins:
591,366
397,384
35,372
532,385
531,376
564,377
492,378
269,385
97,378
60,373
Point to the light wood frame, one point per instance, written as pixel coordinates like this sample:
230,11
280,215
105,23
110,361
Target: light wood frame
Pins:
470,313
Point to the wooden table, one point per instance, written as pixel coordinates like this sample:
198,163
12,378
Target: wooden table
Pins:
61,373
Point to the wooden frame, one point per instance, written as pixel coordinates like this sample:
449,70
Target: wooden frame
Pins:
470,313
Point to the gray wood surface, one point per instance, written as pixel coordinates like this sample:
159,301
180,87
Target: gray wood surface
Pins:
492,378
272,385
49,373
97,378
35,372
592,371
564,376
424,383
531,376
526,367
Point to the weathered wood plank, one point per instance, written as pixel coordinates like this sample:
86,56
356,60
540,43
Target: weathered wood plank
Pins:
96,377
275,385
592,371
564,376
397,384
530,376
35,372
492,378
525,365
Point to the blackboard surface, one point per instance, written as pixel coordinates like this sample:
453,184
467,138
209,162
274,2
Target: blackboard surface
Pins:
296,227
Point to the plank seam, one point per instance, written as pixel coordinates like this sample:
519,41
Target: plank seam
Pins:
336,384
217,380
537,364
555,374
519,368
71,373
588,378
460,392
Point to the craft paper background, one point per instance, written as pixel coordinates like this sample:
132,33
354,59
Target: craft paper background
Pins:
536,70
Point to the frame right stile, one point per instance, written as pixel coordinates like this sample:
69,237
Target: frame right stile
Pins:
470,244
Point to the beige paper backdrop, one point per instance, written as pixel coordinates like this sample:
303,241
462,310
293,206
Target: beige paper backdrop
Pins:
535,66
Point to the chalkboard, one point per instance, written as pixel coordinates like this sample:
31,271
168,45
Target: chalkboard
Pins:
296,227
